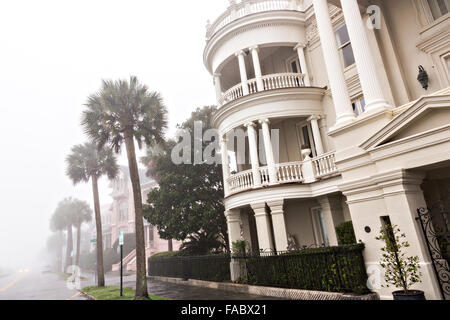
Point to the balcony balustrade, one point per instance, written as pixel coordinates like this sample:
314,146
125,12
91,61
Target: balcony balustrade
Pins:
325,165
271,82
248,7
292,172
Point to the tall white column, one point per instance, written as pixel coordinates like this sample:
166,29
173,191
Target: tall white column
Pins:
332,213
225,165
335,70
365,62
254,159
234,225
257,65
234,234
243,71
279,224
301,56
316,134
269,151
263,227
218,86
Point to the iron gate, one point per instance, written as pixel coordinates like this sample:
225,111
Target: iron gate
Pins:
435,222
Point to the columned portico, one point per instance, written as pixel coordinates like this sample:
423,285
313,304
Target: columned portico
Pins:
254,157
301,56
257,66
364,58
269,151
243,71
335,70
263,226
279,224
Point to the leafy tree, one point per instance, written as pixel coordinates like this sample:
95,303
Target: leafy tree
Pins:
189,201
82,214
87,162
124,112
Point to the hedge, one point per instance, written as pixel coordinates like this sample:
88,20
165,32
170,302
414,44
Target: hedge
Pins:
208,268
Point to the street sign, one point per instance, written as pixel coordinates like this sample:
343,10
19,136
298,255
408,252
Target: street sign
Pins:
120,238
93,240
121,261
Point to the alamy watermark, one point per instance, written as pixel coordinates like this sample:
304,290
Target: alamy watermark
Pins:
205,147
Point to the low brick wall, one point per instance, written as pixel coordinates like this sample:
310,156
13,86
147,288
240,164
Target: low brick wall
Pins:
290,294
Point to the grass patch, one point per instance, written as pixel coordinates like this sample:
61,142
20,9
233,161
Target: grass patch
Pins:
113,293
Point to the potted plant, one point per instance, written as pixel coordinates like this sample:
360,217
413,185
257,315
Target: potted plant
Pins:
401,271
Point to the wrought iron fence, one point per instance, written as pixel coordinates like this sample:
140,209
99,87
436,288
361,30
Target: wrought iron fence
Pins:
208,268
333,269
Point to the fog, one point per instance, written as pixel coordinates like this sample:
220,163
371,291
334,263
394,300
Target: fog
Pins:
53,55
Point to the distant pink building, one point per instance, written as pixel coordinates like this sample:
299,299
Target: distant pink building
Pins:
123,216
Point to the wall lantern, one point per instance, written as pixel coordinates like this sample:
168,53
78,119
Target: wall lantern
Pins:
423,78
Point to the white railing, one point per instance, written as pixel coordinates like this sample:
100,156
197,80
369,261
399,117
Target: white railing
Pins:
248,7
289,172
231,94
283,80
325,165
264,173
241,181
270,82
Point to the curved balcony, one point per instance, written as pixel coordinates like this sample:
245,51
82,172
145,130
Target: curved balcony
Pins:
248,7
307,171
270,82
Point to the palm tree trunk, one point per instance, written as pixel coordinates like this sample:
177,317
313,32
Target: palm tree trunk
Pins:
98,227
69,248
141,276
77,258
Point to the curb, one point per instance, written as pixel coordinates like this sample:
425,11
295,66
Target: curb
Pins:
89,297
290,294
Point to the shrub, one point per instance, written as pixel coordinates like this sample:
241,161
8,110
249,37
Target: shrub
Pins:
346,233
166,254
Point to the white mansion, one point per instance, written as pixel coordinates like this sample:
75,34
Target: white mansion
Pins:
360,138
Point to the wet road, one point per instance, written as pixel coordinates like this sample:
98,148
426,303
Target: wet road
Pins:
34,285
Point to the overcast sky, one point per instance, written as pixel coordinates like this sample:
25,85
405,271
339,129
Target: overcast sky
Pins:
53,54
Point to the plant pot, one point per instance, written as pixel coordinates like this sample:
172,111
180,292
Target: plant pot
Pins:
410,295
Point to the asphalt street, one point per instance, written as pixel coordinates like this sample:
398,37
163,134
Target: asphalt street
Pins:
35,285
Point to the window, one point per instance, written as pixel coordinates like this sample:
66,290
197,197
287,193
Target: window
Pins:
359,106
306,139
319,226
439,8
344,45
294,65
123,212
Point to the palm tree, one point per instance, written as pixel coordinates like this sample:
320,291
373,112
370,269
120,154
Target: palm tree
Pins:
62,219
82,214
122,112
87,162
55,244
